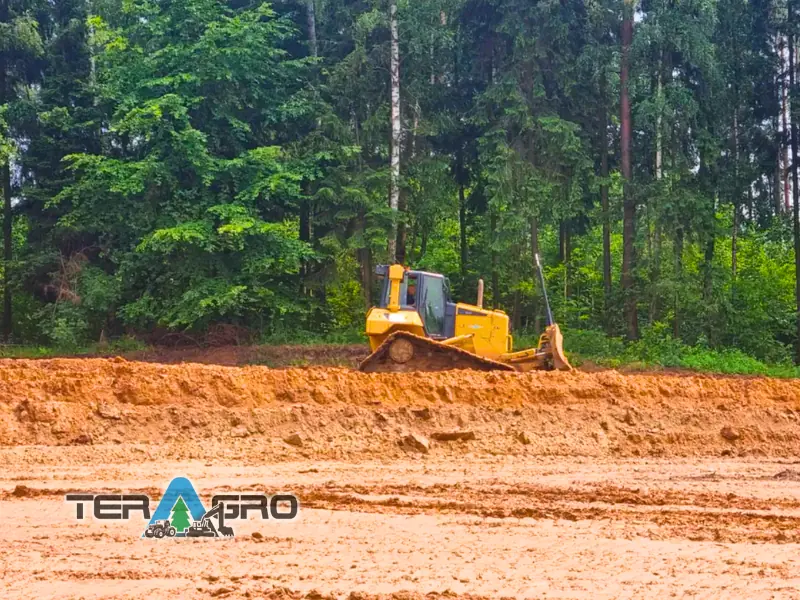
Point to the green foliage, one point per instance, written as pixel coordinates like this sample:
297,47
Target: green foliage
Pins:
65,326
587,343
183,165
344,297
6,141
658,349
187,208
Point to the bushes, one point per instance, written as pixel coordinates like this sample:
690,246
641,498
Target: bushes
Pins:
67,327
591,343
657,348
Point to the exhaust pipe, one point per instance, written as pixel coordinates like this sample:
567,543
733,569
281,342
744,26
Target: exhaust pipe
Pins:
479,303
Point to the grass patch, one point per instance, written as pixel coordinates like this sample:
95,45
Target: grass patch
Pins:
659,350
312,338
119,346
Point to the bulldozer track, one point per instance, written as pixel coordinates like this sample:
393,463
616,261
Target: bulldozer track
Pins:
404,352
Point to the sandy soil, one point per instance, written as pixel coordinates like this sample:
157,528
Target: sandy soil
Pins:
449,485
522,527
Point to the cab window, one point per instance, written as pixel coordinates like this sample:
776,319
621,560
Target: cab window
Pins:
432,305
408,291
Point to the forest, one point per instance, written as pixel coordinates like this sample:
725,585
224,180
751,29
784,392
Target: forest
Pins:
201,169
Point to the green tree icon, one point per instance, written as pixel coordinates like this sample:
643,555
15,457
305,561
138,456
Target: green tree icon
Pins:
180,515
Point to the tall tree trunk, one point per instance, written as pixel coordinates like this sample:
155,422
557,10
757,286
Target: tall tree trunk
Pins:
516,310
402,226
655,272
7,250
564,241
708,283
304,234
736,190
92,57
534,251
394,178
364,256
412,247
676,321
655,240
305,222
462,227
659,102
784,139
443,23
534,244
777,185
604,203
795,187
433,59
402,230
567,259
305,205
460,175
708,263
734,241
629,203
709,235
495,275
5,184
311,20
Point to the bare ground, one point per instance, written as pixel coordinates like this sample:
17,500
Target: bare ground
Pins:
562,485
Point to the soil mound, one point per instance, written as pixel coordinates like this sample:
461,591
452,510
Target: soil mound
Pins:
343,411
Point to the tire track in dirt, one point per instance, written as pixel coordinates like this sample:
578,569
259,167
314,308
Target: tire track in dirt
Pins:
592,493
696,516
714,517
489,494
282,593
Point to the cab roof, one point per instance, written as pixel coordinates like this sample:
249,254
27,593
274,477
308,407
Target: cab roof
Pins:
383,270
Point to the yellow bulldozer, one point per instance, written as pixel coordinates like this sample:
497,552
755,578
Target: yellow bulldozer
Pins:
417,327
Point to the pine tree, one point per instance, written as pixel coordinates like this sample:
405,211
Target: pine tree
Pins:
180,516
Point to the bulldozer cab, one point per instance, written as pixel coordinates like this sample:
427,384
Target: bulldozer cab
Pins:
428,294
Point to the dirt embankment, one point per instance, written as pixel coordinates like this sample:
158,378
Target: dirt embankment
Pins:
338,412
275,356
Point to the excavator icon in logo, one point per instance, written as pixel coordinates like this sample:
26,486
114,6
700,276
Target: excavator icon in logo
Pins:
171,518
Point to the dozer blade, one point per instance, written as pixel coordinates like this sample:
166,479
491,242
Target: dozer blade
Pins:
547,356
560,362
404,352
